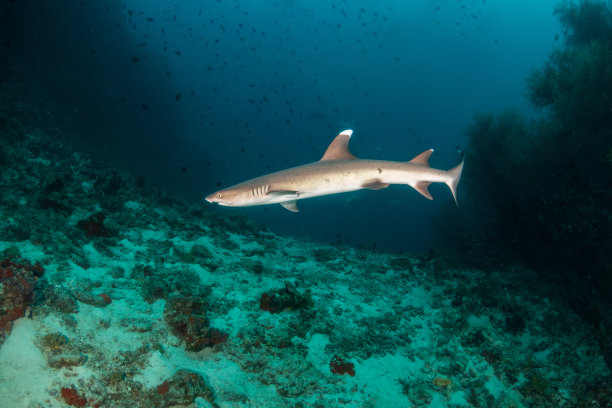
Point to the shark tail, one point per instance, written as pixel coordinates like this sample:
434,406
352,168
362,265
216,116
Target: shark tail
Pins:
454,175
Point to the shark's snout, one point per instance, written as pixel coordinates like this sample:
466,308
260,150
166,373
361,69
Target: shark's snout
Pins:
212,198
220,197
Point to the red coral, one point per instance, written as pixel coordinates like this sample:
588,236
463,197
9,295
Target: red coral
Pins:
106,298
18,278
5,273
163,388
265,303
340,366
72,398
7,319
11,267
216,336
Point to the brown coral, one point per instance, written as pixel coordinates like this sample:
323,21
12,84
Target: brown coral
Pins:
187,318
340,366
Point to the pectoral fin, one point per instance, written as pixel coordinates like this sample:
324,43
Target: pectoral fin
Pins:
374,184
290,205
283,193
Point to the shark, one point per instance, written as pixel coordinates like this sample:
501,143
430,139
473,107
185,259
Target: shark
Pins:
338,171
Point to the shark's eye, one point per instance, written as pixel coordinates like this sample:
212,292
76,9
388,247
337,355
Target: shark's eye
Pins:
219,195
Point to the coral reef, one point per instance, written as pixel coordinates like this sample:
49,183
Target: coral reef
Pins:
187,318
93,226
130,317
18,289
72,398
340,366
288,298
182,306
183,388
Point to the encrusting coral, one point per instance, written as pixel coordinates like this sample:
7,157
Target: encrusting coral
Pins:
18,281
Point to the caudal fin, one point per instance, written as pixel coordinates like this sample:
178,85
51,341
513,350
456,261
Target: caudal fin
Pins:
454,175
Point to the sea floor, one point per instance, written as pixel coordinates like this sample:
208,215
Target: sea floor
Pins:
115,295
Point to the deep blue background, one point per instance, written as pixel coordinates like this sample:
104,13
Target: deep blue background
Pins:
198,95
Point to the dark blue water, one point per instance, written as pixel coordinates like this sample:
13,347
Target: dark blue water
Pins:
201,95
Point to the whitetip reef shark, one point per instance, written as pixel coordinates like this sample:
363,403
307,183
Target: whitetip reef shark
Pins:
338,171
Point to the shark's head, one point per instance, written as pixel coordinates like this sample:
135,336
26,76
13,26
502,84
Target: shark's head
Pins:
248,194
232,197
228,197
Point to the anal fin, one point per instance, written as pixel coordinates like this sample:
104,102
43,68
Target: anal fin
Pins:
422,187
291,205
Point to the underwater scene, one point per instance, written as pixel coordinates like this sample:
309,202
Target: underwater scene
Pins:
306,203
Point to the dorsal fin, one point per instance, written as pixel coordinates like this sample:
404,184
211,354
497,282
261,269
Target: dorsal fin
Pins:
423,158
338,148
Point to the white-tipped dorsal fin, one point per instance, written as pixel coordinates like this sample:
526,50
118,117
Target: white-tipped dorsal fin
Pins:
423,158
338,149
